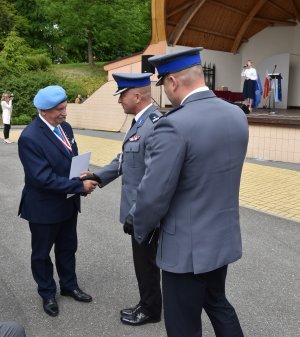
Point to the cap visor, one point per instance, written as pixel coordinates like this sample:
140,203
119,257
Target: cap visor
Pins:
160,81
118,92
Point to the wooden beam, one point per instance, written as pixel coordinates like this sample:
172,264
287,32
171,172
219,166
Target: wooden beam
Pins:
283,10
275,22
295,9
207,31
245,25
184,21
238,11
158,21
180,9
230,8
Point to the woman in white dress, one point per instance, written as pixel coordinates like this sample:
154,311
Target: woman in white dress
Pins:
6,105
250,75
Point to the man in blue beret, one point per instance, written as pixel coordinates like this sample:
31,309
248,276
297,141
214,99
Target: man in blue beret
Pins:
191,187
135,98
46,147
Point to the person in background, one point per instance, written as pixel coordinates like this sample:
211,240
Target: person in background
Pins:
46,147
191,187
6,105
135,98
78,99
11,329
249,87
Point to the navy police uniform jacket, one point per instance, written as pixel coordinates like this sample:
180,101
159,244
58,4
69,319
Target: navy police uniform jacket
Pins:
131,163
46,166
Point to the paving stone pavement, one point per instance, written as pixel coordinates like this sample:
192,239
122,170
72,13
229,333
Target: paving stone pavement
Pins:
263,286
265,188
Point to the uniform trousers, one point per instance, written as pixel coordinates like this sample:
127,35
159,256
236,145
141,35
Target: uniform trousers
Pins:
63,236
11,329
186,294
148,275
6,130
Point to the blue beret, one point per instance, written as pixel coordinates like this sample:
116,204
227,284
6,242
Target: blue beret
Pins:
49,97
171,63
127,81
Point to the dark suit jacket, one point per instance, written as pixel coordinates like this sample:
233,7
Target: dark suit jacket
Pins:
46,166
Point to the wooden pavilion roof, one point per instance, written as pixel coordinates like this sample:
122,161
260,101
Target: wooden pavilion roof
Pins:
220,24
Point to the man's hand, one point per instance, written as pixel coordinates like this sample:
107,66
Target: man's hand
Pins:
90,176
89,186
128,225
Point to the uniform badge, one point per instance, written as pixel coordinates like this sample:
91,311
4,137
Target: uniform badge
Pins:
134,138
154,117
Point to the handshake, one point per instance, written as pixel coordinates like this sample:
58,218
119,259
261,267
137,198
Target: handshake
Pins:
90,182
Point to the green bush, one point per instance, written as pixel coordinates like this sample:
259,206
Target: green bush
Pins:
21,120
38,62
25,87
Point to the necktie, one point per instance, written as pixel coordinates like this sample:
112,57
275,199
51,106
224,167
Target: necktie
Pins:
133,122
56,130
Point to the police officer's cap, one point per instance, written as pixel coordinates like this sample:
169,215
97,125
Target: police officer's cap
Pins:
128,81
49,97
171,63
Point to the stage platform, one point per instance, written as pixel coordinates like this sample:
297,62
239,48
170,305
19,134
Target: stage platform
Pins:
281,117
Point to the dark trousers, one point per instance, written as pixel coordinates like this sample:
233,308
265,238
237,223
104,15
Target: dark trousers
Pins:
148,275
186,294
6,131
63,236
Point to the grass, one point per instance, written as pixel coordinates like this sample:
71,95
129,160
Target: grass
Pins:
87,78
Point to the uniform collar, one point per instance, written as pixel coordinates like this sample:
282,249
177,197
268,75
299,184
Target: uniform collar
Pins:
137,116
205,88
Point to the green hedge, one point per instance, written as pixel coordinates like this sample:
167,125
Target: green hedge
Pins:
25,87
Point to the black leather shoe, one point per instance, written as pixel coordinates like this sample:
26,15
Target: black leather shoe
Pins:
130,311
77,294
139,318
50,306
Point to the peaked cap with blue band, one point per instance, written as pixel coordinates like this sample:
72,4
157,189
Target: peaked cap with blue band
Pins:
49,97
171,63
128,81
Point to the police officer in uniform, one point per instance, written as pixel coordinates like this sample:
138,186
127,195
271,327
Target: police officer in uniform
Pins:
191,187
135,98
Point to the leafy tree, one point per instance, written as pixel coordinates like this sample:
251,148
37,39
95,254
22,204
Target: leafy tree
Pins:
17,57
10,20
100,28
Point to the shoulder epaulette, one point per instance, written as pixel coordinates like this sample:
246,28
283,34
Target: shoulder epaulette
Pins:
174,110
154,117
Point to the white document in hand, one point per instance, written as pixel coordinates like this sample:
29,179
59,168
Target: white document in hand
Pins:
79,164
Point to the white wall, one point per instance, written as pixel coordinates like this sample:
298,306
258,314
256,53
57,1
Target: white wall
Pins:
228,66
270,45
275,42
294,80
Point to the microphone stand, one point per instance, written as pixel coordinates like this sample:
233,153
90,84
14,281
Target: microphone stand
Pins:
273,93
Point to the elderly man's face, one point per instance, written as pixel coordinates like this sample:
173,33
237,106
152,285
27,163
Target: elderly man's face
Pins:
56,115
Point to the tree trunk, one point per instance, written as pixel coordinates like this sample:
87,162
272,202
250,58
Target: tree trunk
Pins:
90,48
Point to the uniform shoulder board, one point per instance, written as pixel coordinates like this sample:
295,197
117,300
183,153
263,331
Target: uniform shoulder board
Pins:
154,117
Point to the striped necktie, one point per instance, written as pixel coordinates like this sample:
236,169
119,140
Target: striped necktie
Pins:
57,131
